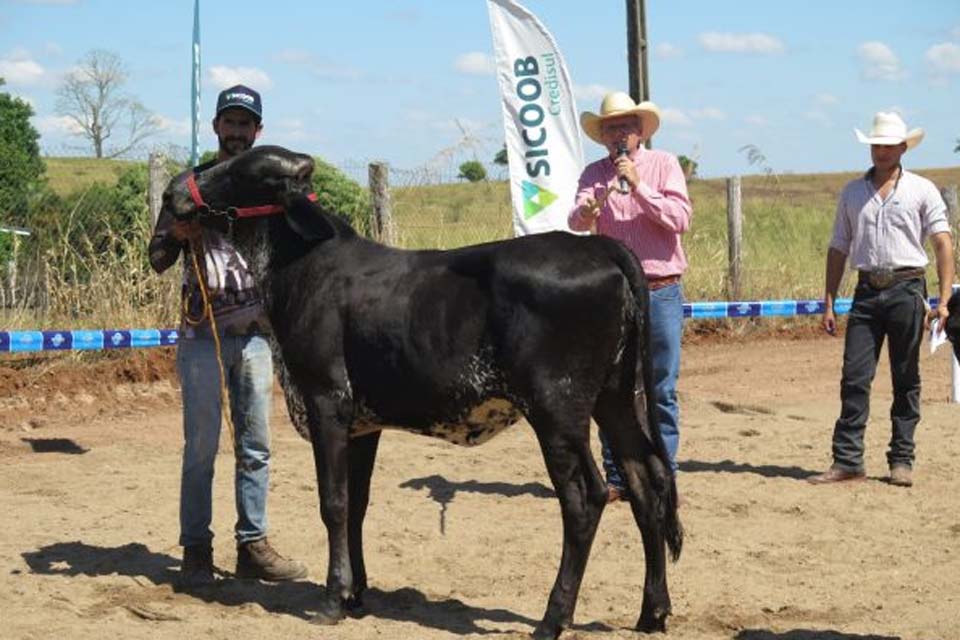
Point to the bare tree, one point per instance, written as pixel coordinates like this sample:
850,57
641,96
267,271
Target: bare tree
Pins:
91,97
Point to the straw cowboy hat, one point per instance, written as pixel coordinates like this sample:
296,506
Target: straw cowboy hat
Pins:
888,128
620,104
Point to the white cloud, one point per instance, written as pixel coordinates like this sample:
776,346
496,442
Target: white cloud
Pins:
590,93
675,116
53,125
741,43
955,32
53,48
475,63
708,113
181,128
825,99
757,121
323,69
667,50
291,124
944,58
223,77
879,61
17,67
819,117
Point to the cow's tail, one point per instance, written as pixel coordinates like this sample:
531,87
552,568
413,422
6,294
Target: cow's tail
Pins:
664,481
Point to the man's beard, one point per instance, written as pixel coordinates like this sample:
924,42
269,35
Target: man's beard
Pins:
234,146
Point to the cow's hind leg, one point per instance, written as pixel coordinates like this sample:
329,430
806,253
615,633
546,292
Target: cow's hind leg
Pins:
362,453
649,481
565,444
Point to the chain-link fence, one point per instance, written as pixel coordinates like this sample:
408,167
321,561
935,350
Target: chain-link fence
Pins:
77,257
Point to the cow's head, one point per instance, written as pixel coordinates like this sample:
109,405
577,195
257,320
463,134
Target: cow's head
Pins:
953,323
265,175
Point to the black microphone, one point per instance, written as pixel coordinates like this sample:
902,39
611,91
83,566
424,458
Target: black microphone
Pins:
621,153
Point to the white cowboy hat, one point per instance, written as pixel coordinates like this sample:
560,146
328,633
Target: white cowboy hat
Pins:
620,104
888,128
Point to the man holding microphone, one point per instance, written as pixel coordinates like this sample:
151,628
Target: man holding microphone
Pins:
639,196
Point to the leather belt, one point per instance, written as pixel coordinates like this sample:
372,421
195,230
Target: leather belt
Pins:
659,283
884,278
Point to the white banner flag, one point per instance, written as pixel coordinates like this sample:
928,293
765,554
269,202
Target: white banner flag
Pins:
539,118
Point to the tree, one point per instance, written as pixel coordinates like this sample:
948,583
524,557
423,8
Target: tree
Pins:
91,98
689,167
21,167
501,157
473,171
956,149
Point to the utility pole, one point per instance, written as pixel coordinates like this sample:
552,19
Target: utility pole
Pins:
637,51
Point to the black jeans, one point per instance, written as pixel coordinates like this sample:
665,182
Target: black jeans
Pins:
895,312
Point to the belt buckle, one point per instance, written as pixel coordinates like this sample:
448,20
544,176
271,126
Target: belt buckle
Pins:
881,278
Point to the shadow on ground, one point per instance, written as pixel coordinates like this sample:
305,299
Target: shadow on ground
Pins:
807,634
299,599
729,466
54,445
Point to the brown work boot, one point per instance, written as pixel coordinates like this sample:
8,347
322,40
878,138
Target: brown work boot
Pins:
258,559
616,494
901,475
836,474
197,567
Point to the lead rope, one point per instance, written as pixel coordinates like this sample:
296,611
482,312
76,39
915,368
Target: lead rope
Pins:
208,312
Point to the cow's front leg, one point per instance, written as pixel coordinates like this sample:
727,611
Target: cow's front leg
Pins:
329,424
362,454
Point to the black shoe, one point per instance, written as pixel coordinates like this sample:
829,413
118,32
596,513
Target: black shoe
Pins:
197,567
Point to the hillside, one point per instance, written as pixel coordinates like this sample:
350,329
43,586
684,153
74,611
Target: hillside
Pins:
66,175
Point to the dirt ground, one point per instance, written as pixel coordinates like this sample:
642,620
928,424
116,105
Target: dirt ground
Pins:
465,542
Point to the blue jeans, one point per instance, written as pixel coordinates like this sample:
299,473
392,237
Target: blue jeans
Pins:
666,330
248,367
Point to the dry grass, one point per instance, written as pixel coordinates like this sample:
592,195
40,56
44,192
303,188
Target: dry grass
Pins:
787,224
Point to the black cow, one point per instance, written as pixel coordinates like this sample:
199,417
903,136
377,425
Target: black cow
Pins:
457,344
952,326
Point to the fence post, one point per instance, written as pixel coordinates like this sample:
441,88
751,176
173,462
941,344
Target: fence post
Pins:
382,221
12,272
734,238
157,183
950,197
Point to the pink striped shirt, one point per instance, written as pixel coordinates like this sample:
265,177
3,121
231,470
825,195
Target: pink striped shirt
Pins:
650,219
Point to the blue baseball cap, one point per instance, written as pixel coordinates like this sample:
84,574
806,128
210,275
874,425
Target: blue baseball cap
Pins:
240,96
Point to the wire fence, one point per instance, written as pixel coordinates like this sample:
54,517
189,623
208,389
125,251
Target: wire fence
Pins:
75,252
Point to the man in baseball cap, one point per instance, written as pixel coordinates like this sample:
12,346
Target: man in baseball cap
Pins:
237,122
243,345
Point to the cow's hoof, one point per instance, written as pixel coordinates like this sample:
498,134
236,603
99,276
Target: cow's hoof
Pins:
328,614
653,623
354,607
546,632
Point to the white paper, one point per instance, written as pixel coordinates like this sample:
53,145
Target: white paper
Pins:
937,335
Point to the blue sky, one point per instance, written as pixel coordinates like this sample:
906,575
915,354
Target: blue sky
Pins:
400,80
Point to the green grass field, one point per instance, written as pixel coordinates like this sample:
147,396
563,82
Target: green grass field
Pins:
65,175
787,222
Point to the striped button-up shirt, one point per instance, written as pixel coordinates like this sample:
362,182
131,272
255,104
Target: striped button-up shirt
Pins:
650,218
887,233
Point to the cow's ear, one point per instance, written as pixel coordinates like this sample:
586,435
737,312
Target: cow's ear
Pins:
306,219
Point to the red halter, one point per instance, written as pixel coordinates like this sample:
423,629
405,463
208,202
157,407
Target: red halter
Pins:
234,212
